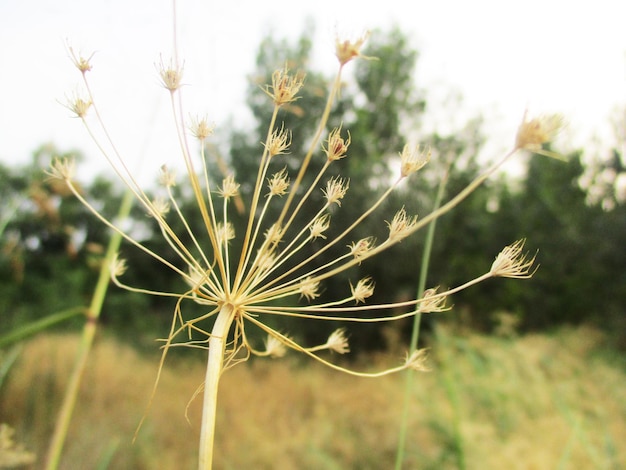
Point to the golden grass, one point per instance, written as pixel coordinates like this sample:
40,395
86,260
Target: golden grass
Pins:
533,402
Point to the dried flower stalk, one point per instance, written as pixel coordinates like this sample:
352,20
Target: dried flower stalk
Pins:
240,289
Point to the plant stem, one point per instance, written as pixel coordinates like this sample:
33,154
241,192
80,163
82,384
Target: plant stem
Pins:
89,331
451,386
23,332
217,346
408,385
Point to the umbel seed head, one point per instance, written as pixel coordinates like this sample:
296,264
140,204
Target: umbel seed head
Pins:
171,76
276,260
348,49
284,87
533,133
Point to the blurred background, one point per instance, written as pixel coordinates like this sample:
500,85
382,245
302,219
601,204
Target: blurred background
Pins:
526,374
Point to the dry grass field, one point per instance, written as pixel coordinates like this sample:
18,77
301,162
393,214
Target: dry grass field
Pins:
532,402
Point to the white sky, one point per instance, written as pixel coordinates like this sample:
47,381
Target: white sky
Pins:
553,55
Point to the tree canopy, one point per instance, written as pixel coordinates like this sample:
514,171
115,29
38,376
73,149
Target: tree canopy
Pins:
50,246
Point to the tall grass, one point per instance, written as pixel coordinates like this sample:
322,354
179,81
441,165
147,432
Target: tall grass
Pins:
537,401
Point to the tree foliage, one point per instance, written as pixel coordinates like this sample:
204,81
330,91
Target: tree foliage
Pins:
49,245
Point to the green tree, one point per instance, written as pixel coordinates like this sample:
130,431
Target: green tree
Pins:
579,243
50,246
377,116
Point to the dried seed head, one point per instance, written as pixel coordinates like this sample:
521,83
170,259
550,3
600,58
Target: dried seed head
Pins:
279,183
337,146
401,225
229,187
284,87
201,129
195,278
336,189
78,105
167,177
348,49
278,142
171,76
62,168
82,64
364,289
274,235
224,233
431,302
274,347
512,262
338,341
533,133
413,159
319,226
265,260
362,247
117,267
417,360
309,288
159,208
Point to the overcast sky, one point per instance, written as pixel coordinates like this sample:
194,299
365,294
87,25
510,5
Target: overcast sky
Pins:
502,56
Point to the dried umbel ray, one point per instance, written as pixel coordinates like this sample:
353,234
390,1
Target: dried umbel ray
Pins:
242,288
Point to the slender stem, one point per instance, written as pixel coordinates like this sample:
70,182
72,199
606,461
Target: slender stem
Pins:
32,328
248,242
421,223
318,133
451,386
89,331
217,346
428,244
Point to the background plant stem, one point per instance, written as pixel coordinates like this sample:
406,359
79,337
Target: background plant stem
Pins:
32,328
428,243
89,331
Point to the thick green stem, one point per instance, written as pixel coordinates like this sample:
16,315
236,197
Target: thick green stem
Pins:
217,346
89,331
